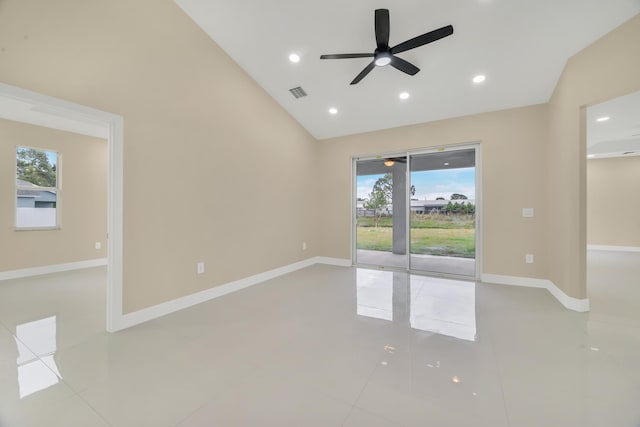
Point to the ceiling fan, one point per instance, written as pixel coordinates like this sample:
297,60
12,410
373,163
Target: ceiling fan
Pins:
385,55
390,161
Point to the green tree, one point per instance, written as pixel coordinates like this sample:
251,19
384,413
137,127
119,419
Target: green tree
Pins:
33,166
469,209
380,196
456,196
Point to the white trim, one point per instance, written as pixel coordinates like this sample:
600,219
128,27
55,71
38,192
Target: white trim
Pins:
613,248
575,304
115,236
37,271
339,262
102,124
146,314
478,208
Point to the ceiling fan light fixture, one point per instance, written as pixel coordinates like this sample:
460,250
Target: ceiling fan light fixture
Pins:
388,163
383,59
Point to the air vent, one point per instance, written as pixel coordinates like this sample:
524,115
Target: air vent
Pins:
298,92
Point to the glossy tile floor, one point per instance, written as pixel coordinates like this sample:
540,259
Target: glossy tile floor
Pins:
327,346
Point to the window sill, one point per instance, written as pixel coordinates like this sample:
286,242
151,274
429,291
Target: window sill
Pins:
36,228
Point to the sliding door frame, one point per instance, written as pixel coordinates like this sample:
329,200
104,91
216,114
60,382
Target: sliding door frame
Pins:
477,146
354,194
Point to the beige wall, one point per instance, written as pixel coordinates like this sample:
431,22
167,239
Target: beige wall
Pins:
613,202
214,169
83,208
514,151
605,70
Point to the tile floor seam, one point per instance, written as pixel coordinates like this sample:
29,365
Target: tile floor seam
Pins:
500,380
398,423
348,416
355,404
181,422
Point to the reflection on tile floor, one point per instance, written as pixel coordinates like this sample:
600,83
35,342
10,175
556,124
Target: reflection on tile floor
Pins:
420,263
327,346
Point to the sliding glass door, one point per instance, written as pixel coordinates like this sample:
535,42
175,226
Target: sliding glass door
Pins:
442,217
417,211
380,212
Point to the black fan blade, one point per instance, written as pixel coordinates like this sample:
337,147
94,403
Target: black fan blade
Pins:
364,72
382,28
347,55
423,39
404,66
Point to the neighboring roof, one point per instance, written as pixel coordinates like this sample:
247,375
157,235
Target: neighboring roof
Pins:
23,183
41,194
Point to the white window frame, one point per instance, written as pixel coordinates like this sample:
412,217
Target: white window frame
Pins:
57,189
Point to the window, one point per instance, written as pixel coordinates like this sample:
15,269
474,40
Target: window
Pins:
37,188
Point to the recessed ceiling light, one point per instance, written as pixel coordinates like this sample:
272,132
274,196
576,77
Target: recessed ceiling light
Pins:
479,79
404,95
294,58
333,110
602,119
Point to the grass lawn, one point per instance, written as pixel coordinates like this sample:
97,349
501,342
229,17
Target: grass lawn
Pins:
448,235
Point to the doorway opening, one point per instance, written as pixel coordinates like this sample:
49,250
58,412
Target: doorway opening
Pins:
612,176
418,211
25,106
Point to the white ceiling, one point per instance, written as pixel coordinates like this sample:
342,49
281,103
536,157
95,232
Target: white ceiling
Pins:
520,45
620,134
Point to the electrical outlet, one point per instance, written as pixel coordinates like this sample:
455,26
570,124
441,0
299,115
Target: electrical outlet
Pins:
527,212
528,258
200,268
98,245
304,246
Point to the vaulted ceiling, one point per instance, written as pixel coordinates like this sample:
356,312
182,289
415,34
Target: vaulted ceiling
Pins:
521,46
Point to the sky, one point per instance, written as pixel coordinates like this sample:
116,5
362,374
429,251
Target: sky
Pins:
430,184
52,156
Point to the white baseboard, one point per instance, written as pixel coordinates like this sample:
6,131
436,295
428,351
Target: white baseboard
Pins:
613,248
340,262
150,313
575,304
37,271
